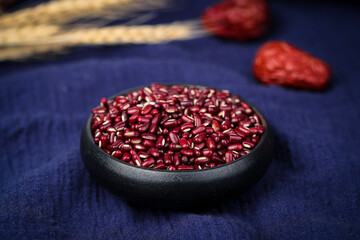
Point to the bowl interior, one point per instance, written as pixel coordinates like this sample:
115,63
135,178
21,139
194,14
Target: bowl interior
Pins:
258,146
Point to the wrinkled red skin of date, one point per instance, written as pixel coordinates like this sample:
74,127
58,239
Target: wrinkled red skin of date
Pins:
279,63
239,20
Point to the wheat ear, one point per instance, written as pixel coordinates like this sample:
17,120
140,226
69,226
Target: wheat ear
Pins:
29,33
143,34
67,11
17,53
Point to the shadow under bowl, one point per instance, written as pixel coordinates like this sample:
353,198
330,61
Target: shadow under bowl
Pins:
176,189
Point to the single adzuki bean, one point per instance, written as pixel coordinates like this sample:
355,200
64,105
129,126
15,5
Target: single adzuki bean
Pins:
177,159
200,137
171,123
187,152
197,152
185,167
210,144
131,134
148,136
144,154
184,143
174,146
198,129
160,142
116,153
159,166
207,152
248,144
148,162
233,138
199,145
168,158
171,168
126,157
154,152
173,137
139,147
229,157
148,143
235,147
186,127
202,160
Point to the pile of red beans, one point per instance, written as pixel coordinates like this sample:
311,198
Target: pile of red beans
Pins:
176,127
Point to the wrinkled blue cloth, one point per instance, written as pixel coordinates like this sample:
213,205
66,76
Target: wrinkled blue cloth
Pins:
310,191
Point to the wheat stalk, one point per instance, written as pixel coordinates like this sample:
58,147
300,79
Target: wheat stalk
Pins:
16,53
30,33
143,34
14,47
67,11
44,28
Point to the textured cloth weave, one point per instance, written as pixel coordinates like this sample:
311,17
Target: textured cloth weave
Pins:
310,191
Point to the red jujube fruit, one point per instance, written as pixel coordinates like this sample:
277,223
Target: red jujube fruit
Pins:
237,19
279,63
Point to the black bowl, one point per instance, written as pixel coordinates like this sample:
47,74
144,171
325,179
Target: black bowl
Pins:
176,189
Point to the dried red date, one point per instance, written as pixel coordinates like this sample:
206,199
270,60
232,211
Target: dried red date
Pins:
237,19
280,63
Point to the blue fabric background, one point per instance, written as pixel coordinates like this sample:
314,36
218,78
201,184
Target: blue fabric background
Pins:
311,190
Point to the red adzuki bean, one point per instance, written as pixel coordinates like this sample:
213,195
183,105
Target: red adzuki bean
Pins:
235,147
144,154
207,152
197,152
149,162
184,143
160,142
159,166
148,136
186,127
187,152
174,146
202,160
228,157
200,137
142,119
171,168
131,134
154,152
186,119
116,153
233,138
173,137
171,123
198,129
139,147
148,143
200,145
176,128
126,147
126,157
248,144
185,167
210,144
168,158
146,109
177,159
